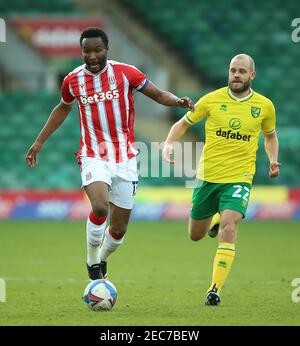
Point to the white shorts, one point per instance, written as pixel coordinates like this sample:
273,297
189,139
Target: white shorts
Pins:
122,178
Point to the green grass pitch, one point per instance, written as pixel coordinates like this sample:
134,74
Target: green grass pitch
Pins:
161,276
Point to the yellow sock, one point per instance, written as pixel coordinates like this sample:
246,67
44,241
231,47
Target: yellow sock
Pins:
215,220
222,265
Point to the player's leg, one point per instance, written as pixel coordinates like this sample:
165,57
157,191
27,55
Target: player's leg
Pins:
198,228
95,180
97,193
121,202
204,206
225,254
230,219
214,226
115,232
233,205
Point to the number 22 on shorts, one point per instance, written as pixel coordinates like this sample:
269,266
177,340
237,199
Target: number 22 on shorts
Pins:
241,192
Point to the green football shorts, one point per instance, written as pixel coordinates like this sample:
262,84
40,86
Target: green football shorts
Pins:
210,198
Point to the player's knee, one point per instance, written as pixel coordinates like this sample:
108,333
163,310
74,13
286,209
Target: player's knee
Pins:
195,236
228,230
228,226
118,231
100,209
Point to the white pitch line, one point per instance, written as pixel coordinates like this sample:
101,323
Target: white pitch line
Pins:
42,280
194,282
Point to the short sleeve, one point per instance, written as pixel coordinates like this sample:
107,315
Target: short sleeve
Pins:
136,78
201,110
66,96
269,122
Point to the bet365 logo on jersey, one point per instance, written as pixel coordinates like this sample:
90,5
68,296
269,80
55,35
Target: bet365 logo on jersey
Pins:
100,97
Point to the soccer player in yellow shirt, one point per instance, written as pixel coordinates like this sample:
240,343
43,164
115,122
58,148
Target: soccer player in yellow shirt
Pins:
235,116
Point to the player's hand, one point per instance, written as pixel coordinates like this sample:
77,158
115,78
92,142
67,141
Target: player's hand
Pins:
186,102
32,154
274,169
167,152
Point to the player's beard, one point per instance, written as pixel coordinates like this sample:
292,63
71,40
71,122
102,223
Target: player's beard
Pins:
99,66
243,86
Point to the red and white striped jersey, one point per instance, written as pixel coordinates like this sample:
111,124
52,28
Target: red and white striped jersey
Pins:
105,109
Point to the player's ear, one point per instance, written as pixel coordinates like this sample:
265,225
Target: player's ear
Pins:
253,75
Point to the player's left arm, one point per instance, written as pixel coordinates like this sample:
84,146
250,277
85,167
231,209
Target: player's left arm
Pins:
272,148
166,98
271,140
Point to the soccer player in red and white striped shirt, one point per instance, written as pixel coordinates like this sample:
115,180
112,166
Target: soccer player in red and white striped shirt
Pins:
103,90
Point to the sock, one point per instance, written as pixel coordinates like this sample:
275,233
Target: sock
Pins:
95,227
110,244
222,265
215,220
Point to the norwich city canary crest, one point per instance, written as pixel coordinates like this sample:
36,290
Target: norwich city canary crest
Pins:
255,111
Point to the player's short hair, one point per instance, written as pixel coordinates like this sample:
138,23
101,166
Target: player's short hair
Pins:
250,60
94,32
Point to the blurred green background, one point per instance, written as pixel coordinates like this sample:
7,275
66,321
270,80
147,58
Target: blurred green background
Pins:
197,37
184,46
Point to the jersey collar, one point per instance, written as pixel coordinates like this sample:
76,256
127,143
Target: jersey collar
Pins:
238,99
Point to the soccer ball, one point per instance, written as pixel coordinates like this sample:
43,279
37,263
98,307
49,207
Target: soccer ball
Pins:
100,295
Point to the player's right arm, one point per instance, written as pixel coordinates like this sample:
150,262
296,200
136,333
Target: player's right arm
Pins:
180,127
176,132
56,118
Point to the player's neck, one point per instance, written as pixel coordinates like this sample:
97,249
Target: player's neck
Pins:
240,96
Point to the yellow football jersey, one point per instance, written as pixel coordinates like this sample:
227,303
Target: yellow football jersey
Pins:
231,134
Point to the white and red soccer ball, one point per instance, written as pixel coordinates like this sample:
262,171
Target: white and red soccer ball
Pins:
100,295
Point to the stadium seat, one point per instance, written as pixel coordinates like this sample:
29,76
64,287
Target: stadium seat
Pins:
66,7
208,34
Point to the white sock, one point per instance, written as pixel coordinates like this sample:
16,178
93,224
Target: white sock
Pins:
109,245
94,237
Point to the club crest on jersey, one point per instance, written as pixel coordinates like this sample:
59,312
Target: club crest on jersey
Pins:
111,80
88,176
255,111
